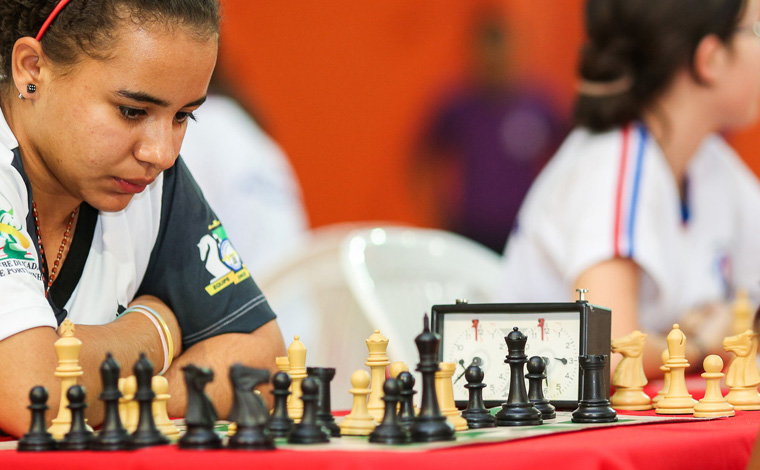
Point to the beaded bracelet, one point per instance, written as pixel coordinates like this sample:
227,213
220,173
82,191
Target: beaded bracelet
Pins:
163,332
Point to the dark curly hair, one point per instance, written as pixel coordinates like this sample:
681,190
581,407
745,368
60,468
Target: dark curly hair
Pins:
87,26
643,43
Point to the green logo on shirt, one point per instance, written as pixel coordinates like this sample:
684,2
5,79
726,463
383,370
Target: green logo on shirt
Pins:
221,259
13,243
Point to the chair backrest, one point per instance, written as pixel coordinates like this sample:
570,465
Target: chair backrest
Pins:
309,293
397,273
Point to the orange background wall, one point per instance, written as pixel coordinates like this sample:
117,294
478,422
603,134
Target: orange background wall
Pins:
344,85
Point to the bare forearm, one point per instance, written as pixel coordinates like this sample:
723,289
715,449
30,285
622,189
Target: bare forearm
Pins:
257,349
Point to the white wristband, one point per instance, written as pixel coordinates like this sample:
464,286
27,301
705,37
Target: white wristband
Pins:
163,332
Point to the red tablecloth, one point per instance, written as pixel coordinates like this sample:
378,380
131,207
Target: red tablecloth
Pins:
719,444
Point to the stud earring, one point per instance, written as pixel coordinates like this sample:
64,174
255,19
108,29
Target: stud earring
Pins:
31,88
21,97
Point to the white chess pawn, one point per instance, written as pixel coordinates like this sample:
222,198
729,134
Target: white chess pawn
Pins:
160,416
714,404
358,422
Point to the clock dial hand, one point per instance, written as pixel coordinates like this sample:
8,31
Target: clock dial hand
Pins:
461,363
561,359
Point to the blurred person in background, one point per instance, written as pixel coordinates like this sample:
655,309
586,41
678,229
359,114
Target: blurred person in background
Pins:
645,204
486,142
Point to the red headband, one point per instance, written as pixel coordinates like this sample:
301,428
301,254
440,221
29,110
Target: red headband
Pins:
53,14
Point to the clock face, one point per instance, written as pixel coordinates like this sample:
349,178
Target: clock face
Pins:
476,338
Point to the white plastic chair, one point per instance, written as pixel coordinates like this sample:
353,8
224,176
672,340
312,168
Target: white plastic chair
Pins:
309,293
397,273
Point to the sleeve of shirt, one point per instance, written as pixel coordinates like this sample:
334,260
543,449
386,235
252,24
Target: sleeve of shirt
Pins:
195,269
22,297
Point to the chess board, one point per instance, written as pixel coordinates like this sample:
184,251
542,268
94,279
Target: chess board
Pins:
560,424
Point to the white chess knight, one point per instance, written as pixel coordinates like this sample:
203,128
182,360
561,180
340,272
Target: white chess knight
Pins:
742,377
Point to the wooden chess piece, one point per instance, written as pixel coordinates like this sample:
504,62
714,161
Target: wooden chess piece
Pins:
406,412
161,417
742,377
536,376
249,412
377,362
594,405
113,435
201,414
324,408
397,368
518,410
297,372
476,414
390,431
629,378
78,437
678,400
280,424
358,422
282,363
67,347
309,430
444,389
741,309
38,439
146,434
430,425
129,409
665,379
713,405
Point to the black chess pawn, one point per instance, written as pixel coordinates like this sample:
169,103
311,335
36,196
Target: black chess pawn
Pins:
113,435
280,424
536,376
430,425
200,417
147,433
309,431
517,411
324,407
476,413
594,406
406,408
38,439
78,437
249,412
390,431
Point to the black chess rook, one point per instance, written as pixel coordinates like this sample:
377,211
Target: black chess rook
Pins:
594,406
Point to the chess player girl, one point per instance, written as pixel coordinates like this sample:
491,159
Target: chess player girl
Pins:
645,204
95,97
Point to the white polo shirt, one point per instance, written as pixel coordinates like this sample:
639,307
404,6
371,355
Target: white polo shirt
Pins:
613,195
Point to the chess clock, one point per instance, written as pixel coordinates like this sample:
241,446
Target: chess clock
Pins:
557,332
